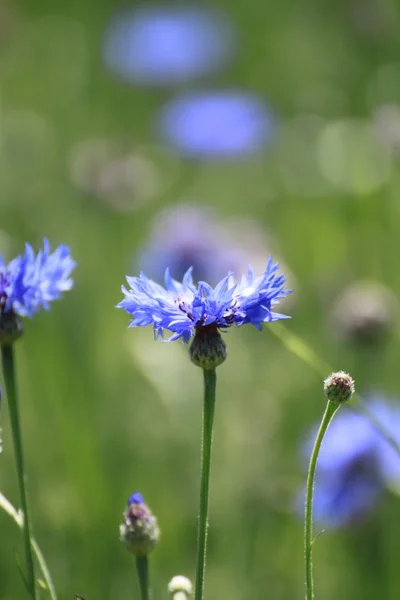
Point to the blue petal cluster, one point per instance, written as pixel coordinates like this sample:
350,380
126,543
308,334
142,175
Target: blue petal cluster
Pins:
136,498
30,282
183,307
355,464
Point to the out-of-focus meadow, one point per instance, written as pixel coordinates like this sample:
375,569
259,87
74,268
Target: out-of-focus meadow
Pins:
283,122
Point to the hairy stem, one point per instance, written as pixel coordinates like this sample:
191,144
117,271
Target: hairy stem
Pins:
142,569
330,410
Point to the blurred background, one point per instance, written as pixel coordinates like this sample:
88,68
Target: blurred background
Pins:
147,135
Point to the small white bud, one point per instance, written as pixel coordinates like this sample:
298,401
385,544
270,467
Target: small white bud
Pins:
180,587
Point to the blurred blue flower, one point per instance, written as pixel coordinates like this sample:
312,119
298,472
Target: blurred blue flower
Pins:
183,307
30,282
167,44
355,464
216,124
388,458
192,235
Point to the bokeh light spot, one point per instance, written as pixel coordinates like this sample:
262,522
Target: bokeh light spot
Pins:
386,121
296,158
121,177
352,158
28,147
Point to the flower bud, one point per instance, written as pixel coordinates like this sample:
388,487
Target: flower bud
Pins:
180,588
208,349
11,327
339,387
139,531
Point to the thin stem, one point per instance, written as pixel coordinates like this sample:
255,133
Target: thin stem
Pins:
330,410
210,380
142,569
14,514
9,380
297,346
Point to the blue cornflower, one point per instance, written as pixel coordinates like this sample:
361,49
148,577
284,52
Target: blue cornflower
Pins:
355,465
185,308
30,282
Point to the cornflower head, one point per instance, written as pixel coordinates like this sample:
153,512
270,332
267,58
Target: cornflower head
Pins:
189,310
355,465
30,282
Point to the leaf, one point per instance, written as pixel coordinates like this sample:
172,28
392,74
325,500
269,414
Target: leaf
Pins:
17,560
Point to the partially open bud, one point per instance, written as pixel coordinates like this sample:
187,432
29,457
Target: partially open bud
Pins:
339,387
180,588
208,349
11,327
139,531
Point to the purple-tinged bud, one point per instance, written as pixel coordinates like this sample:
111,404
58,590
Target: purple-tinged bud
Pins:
208,349
339,387
139,532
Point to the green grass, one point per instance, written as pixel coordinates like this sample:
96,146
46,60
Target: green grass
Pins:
106,411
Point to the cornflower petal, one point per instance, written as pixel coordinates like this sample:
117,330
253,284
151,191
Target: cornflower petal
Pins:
30,282
187,281
183,308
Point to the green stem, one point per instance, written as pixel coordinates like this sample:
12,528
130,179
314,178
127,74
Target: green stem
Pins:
210,380
297,346
330,410
142,568
9,380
